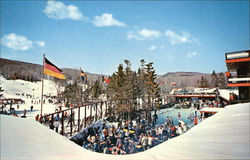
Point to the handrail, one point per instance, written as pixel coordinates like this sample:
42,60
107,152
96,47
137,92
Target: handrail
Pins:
84,105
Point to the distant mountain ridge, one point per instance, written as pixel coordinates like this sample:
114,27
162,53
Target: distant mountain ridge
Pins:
182,79
181,72
11,67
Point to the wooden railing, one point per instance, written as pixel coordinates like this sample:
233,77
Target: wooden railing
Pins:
96,110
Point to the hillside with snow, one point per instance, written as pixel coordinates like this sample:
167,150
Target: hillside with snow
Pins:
30,92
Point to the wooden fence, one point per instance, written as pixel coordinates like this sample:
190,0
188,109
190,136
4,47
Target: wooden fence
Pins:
96,112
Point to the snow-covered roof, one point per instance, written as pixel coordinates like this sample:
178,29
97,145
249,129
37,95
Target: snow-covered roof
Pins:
225,93
226,135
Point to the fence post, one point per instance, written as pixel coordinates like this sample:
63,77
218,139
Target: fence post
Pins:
79,119
71,121
96,111
90,113
108,107
106,104
52,122
101,109
62,121
85,120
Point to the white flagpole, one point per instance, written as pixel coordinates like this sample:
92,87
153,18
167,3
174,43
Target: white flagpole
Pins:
42,86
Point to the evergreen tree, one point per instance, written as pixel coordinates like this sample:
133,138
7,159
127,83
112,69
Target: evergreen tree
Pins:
222,81
85,94
72,93
96,89
214,80
203,82
126,86
130,88
152,87
141,83
116,90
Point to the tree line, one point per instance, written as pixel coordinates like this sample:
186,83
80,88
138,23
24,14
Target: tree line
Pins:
216,80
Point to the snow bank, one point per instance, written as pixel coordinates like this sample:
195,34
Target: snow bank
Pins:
224,135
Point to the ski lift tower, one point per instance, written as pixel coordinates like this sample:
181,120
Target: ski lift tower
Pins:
238,74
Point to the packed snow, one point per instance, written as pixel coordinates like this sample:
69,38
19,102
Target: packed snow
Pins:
226,135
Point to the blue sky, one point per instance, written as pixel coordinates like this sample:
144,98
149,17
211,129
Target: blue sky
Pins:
99,35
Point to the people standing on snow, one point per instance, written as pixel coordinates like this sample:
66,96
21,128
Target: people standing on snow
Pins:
41,118
165,133
168,121
172,131
180,129
144,141
24,114
37,117
155,118
56,123
195,120
71,119
150,141
171,121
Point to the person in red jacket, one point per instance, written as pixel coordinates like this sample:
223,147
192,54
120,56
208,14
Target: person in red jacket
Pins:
195,120
37,117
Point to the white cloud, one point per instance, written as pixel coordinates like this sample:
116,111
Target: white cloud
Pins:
191,54
175,38
144,34
107,19
132,35
19,42
40,43
58,10
162,47
16,42
149,33
152,48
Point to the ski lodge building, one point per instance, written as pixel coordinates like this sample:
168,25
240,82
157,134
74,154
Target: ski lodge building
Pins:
238,74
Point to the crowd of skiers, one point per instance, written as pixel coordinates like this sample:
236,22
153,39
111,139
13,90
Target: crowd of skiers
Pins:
129,136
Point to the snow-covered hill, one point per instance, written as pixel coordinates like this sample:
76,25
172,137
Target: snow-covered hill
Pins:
30,92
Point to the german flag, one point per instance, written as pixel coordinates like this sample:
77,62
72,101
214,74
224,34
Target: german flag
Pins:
83,76
52,70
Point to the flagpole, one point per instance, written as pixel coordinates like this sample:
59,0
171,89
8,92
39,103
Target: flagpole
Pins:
42,86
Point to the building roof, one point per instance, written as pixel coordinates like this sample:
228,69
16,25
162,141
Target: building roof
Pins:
211,110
